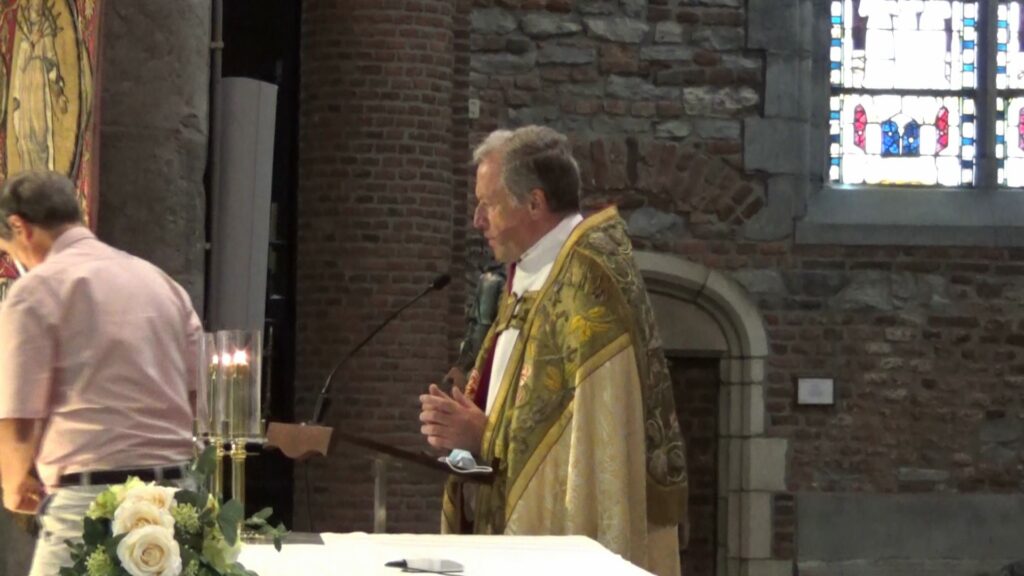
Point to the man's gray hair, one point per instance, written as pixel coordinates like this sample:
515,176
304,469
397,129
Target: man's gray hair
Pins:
45,199
535,157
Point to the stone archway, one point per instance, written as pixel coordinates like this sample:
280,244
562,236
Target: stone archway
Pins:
704,312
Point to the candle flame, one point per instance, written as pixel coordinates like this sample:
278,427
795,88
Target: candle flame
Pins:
241,358
225,359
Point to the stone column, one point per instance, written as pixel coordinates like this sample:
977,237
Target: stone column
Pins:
374,227
155,78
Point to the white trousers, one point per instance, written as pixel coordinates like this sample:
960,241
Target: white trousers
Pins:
60,519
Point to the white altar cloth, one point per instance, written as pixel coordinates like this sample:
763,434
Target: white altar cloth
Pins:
361,554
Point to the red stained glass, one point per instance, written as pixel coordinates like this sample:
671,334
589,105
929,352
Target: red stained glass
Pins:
860,122
942,129
1020,129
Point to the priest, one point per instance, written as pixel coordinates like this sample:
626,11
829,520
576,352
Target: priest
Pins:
570,396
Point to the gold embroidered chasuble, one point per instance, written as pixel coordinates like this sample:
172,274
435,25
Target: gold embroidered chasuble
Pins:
584,430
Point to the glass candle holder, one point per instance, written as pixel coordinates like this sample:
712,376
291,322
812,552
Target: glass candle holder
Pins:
235,386
203,424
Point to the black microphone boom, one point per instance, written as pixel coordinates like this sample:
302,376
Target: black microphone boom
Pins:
437,283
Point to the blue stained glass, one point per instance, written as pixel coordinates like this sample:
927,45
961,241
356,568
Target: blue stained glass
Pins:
837,65
837,19
1000,139
1004,24
911,139
834,116
968,67
968,44
1001,47
969,21
967,164
967,141
835,161
835,138
968,117
890,138
1001,69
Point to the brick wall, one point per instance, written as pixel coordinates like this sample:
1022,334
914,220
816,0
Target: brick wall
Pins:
926,348
463,274
375,225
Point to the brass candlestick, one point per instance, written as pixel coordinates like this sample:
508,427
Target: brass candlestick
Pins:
235,396
238,471
217,482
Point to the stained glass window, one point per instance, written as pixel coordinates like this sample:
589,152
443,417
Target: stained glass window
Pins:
1010,140
903,76
1010,46
1010,86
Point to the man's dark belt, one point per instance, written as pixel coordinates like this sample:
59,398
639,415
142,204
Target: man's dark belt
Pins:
155,474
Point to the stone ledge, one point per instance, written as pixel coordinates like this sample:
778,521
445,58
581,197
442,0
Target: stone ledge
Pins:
854,527
901,567
869,216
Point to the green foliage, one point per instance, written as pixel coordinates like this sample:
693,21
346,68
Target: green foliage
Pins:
95,531
99,563
186,519
258,524
229,520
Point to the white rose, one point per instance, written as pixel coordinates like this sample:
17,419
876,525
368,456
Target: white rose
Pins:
160,496
150,551
132,514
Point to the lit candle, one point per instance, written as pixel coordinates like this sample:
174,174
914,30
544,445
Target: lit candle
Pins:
239,391
214,408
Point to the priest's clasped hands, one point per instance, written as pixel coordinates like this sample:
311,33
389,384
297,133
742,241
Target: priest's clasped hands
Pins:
451,421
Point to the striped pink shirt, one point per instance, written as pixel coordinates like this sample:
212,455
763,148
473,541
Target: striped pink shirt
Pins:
102,345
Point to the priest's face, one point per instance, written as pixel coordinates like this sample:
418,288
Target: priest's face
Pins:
504,221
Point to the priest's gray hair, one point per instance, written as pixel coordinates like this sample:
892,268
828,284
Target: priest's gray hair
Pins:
43,198
535,157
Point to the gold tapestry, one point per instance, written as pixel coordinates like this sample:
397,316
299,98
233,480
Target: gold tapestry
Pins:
48,54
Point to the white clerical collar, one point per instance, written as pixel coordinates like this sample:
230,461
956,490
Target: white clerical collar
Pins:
539,257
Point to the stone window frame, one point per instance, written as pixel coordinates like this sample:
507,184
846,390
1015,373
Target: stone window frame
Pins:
789,145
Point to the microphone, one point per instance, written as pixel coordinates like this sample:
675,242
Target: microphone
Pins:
437,283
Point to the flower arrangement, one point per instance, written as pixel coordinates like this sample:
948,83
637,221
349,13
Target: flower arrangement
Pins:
142,529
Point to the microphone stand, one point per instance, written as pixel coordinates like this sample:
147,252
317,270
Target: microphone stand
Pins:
321,399
302,441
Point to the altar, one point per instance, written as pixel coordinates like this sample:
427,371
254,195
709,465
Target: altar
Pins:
360,554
